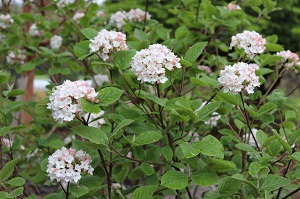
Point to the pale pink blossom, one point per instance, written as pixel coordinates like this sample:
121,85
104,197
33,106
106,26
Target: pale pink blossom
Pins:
289,59
118,19
77,16
205,69
5,21
252,42
150,64
232,7
56,41
137,15
240,76
14,57
34,31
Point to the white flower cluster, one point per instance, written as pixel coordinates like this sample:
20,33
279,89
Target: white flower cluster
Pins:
16,58
232,7
34,31
56,41
240,76
77,16
134,15
290,59
95,119
107,42
63,3
250,41
65,165
5,21
64,101
150,64
212,121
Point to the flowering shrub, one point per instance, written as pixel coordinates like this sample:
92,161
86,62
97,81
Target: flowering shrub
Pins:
190,100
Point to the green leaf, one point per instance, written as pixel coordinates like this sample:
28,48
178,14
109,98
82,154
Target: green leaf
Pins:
273,182
147,138
210,146
266,108
285,145
167,153
194,52
41,107
54,196
109,95
205,178
17,192
189,150
181,32
121,125
295,156
79,191
8,169
145,95
207,110
92,182
28,66
242,179
13,93
228,97
228,185
257,170
184,62
245,147
147,169
94,135
82,49
269,59
3,77
16,182
261,137
186,107
293,138
220,165
174,180
123,58
4,131
274,47
89,33
140,35
89,107
145,192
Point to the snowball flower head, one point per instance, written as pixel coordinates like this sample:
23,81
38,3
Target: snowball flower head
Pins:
240,76
232,7
34,31
289,59
137,15
250,41
5,21
63,3
16,57
94,119
150,64
66,165
118,19
107,42
56,41
64,101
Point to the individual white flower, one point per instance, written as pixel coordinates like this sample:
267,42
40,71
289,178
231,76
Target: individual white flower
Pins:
118,19
250,41
232,7
64,101
95,120
77,16
5,21
289,59
34,31
240,76
100,79
16,57
63,3
150,64
65,166
212,121
107,42
137,15
56,41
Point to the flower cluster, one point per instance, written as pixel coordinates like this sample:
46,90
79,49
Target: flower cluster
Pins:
56,41
150,64
232,7
107,42
5,21
63,3
250,41
77,16
34,31
290,59
95,119
205,69
16,58
134,15
64,101
65,165
239,76
100,79
212,121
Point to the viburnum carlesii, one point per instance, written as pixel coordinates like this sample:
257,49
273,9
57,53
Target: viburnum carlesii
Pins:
290,59
66,165
117,19
100,79
34,31
56,41
150,64
64,100
232,7
77,16
252,42
95,120
107,42
16,57
212,121
63,3
137,15
240,76
5,21
204,68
